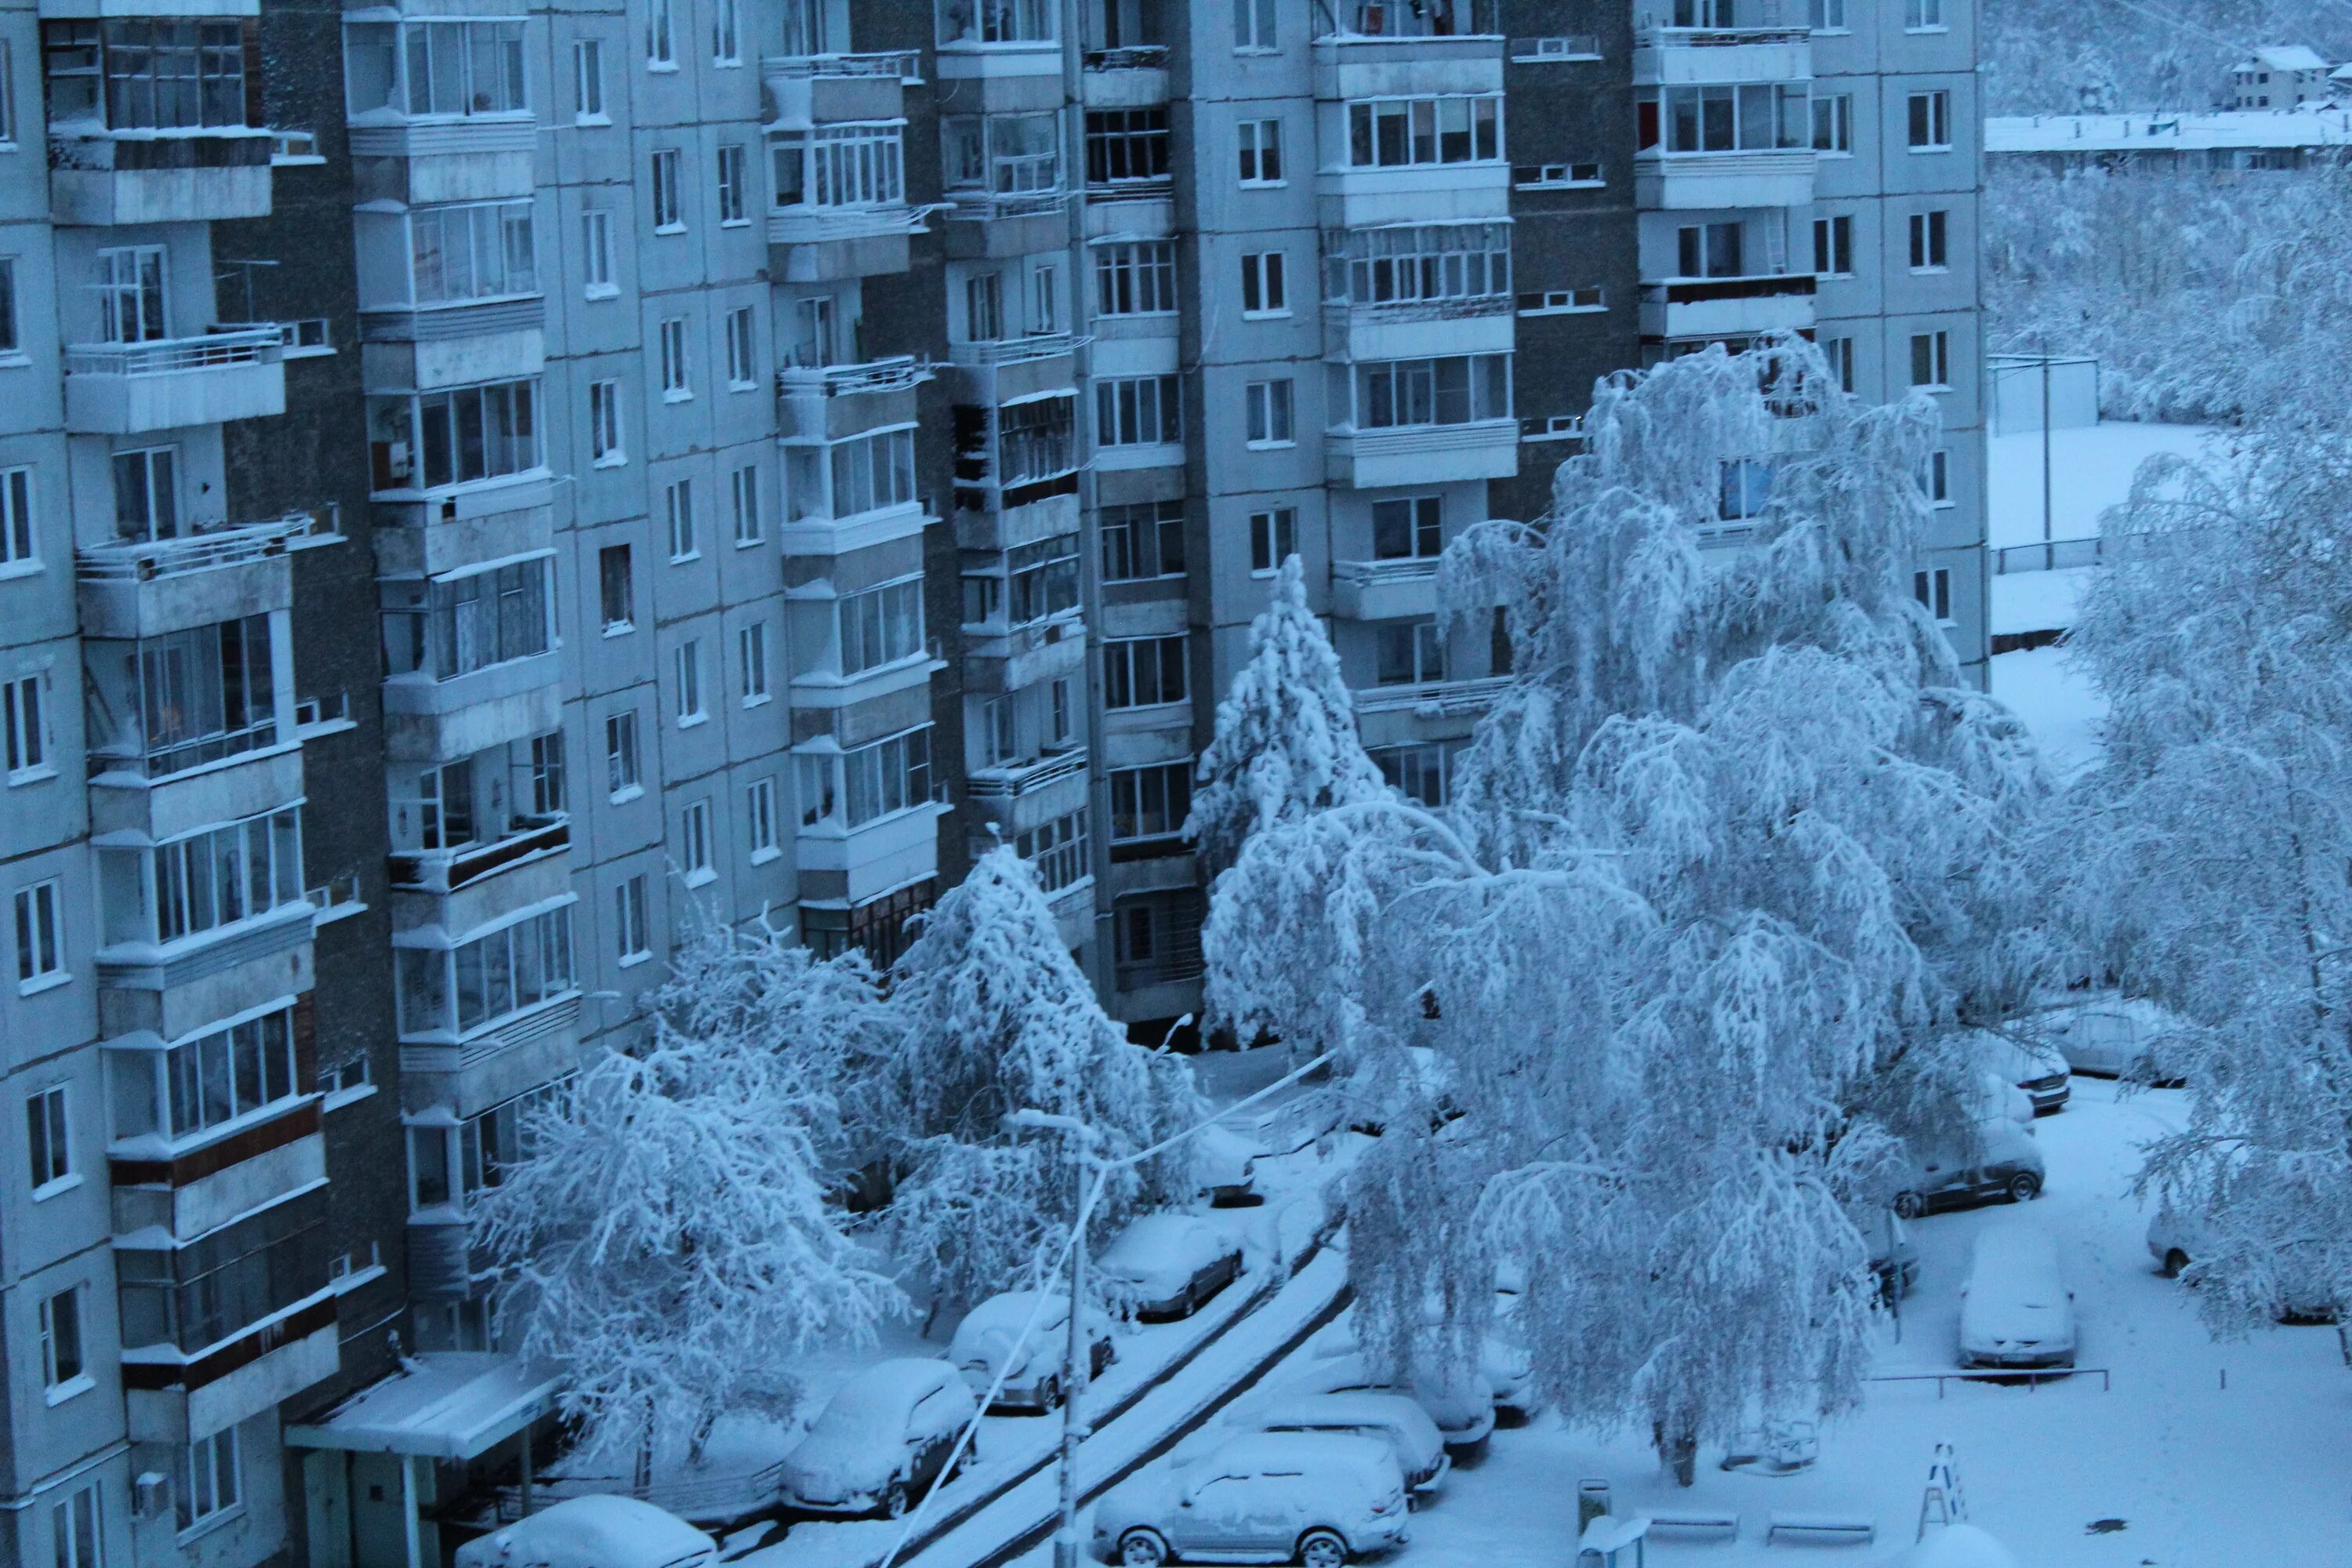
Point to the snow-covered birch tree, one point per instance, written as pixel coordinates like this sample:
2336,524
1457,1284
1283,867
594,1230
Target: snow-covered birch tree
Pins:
668,1237
992,1016
1285,743
1730,872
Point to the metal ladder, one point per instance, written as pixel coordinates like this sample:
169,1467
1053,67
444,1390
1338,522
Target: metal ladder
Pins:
1942,1501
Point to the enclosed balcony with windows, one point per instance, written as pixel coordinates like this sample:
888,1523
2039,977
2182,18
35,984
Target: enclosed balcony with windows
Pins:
996,169
449,293
1020,615
487,1013
425,442
854,645
984,39
1732,273
1723,145
1126,53
199,890
858,491
1428,420
163,706
470,658
1392,157
457,823
869,813
840,182
1721,41
1406,288
439,110
1017,455
155,120
821,78
1026,753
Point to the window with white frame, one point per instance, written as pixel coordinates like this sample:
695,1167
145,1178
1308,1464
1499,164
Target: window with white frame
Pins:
1264,290
1833,122
688,689
1929,121
752,658
850,789
668,192
743,499
1421,772
12,341
1922,16
1056,851
24,715
1267,416
732,164
1400,263
1001,155
605,423
1150,802
1405,132
49,1140
847,479
438,69
1024,584
596,254
241,1068
40,933
880,626
472,250
468,434
445,627
998,21
742,363
16,517
1933,588
1254,24
202,882
621,754
677,509
1408,528
1143,672
661,33
676,384
209,1486
1935,476
693,843
1456,389
74,1530
1827,16
1931,241
1139,411
1141,541
588,82
1743,488
726,33
61,1346
760,820
1274,539
1408,653
857,165
487,979
1135,277
1931,359
1755,118
1839,351
7,93
1833,246
616,595
1261,151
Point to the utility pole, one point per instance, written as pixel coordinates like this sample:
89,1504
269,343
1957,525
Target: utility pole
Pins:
1076,1361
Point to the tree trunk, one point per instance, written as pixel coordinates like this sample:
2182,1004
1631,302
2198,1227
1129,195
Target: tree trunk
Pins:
1678,1453
642,1478
701,1437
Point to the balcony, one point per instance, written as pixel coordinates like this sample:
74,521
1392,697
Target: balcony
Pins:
1022,796
185,1194
218,572
998,660
459,158
1434,699
1721,55
173,1395
487,1069
997,224
1417,328
432,721
125,389
132,176
1384,590
1422,454
1351,65
829,402
835,89
1132,77
878,856
1727,307
824,245
449,870
997,351
1683,181
897,65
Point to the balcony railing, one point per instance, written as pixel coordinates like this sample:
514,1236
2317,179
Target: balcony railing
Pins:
899,372
987,206
1128,57
1013,351
205,545
240,343
445,871
1698,291
1011,781
1655,37
1434,699
905,64
1454,309
1384,574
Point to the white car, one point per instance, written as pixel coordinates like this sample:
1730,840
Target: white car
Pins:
1314,1500
1464,1415
1166,1265
883,1441
593,1532
1393,1418
2112,1036
984,1341
2015,1310
2042,1073
1227,1163
2175,1240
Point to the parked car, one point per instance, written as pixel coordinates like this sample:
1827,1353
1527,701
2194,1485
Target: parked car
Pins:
2041,1072
2175,1240
1227,1163
1165,1264
593,1532
2112,1036
1317,1499
1033,1382
1464,1415
2007,1164
882,1441
2015,1310
1393,1419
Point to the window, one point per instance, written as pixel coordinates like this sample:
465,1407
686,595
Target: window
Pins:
1401,133
676,383
487,979
130,284
732,208
1827,16
436,69
184,698
1142,541
1839,351
596,255
73,1526
850,789
1038,580
880,626
983,307
1563,302
1126,145
1150,802
1933,588
1408,528
621,754
1274,539
669,199
997,21
857,165
1157,939
453,626
472,250
456,437
760,820
60,1320
1931,359
11,339
1930,233
605,423
751,653
1037,439
1833,123
17,516
693,843
1056,851
229,1073
1045,296
1833,246
1001,155
1410,262
588,82
208,1485
743,499
689,682
1139,411
47,1137
1931,121
1712,250
1422,774
206,880
142,73
1261,151
1743,488
860,475
997,728
1143,672
1062,711
1266,413
1936,478
1254,24
1922,16
1755,118
615,593
8,92
1135,277
545,779
661,33
1457,390
742,373
1408,653
726,33
677,505
1263,293
25,719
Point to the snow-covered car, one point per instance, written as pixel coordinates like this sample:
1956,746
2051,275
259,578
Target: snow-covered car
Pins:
1998,1099
1370,1091
2111,1038
1227,1167
1404,1426
593,1532
2041,1072
1165,1264
2007,1164
2015,1308
984,1342
1464,1415
2175,1240
1319,1499
883,1439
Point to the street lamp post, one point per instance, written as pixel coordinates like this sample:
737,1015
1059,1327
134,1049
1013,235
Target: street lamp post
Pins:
1075,1362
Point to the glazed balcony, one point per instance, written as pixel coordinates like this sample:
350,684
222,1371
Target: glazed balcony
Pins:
1422,454
232,371
1398,49
446,871
1134,75
1434,699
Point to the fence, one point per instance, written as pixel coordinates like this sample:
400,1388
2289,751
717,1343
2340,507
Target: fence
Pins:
2050,555
2034,1376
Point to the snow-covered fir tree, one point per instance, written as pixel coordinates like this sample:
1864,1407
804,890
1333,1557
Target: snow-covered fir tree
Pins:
1285,743
992,1016
668,1237
1730,876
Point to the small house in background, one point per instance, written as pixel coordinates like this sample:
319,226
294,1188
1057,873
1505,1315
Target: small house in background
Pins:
2340,83
2285,76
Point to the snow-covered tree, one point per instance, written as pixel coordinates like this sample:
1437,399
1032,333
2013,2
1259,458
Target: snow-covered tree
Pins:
1286,741
1729,874
992,1016
668,1237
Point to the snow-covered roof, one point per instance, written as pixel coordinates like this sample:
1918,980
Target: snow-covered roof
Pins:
449,1404
2285,57
2167,131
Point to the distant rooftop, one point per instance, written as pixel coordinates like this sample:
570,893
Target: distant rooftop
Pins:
2164,131
2285,57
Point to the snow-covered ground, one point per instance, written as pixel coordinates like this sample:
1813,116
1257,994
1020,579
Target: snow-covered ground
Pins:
2091,469
2052,694
2196,1472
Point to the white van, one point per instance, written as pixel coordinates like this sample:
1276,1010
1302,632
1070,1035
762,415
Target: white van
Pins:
1277,1496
